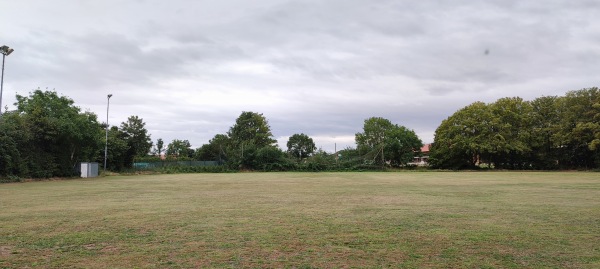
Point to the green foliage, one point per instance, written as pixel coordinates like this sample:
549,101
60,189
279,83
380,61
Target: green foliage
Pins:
159,148
127,143
119,155
546,133
251,128
300,146
47,136
250,134
214,150
137,136
180,148
385,142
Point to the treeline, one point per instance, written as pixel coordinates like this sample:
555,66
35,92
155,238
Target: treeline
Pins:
250,145
547,133
48,136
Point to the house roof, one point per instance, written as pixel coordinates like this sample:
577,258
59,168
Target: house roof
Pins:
425,148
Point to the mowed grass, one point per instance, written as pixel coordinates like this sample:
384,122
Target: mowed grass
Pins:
305,220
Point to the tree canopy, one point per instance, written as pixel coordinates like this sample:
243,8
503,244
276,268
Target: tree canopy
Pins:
549,132
387,143
47,136
300,146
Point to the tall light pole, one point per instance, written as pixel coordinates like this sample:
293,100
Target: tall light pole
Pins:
106,145
5,50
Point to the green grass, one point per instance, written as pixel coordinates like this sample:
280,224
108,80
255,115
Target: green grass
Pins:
305,220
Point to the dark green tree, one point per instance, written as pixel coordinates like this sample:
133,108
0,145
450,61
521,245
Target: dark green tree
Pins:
401,145
579,128
510,141
160,147
373,138
463,139
118,157
214,150
251,128
545,125
137,136
250,133
300,146
15,138
61,135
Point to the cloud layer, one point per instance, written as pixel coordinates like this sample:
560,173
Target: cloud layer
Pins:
189,68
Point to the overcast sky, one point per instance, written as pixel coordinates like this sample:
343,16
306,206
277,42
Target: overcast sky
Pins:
189,68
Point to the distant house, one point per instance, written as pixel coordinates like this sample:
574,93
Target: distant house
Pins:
422,160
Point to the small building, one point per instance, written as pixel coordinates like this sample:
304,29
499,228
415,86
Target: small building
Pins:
89,169
422,160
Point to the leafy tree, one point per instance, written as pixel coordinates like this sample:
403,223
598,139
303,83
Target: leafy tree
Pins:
579,128
250,133
270,158
251,128
372,139
118,155
137,136
301,146
214,150
462,139
180,148
387,142
14,140
510,142
61,135
402,144
544,127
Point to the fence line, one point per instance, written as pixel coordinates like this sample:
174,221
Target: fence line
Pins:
152,165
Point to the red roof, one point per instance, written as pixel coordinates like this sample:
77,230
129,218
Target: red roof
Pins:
425,148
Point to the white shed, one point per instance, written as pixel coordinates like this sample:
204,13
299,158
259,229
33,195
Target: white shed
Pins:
89,169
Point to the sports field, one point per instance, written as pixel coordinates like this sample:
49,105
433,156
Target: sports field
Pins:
305,220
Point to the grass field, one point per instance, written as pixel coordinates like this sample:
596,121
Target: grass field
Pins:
305,220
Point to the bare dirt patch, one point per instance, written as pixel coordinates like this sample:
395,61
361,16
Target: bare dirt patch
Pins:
5,251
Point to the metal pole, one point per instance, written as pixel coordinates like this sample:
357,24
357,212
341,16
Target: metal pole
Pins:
106,145
2,82
5,50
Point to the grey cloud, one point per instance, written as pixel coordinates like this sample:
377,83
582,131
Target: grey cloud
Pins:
322,66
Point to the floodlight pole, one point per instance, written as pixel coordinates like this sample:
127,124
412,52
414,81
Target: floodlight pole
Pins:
5,50
106,145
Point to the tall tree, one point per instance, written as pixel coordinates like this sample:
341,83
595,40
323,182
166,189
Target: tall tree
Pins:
372,139
250,133
251,128
160,147
580,126
545,123
301,146
137,136
510,143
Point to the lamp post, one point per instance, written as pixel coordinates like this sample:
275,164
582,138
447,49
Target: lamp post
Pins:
106,145
5,50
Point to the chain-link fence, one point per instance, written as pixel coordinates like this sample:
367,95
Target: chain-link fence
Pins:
153,165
